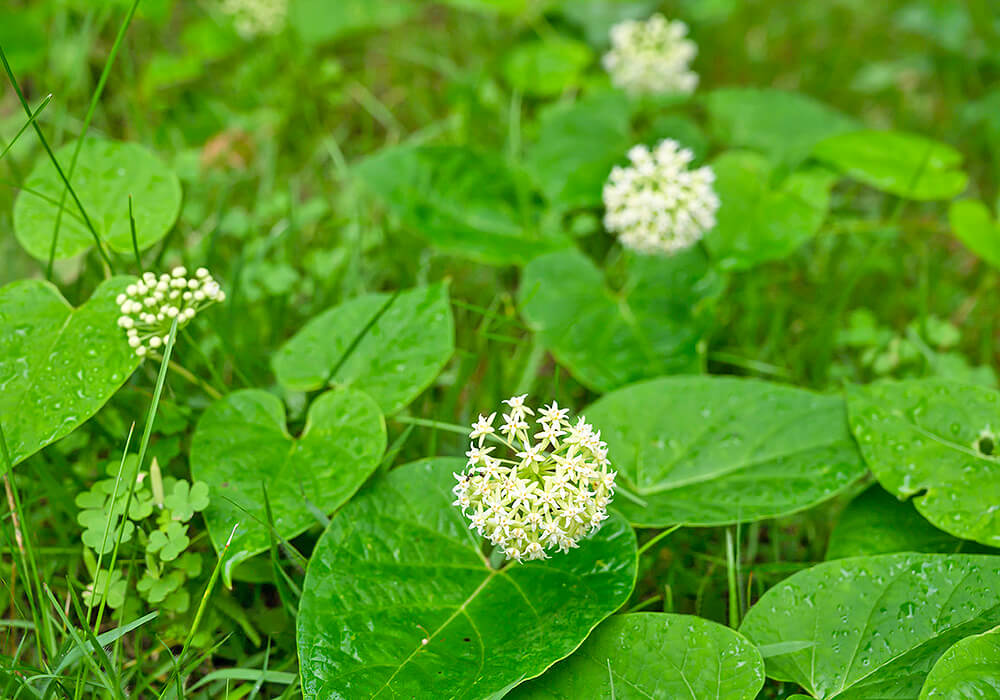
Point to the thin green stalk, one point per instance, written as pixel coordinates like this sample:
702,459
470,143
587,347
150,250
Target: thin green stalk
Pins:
144,443
55,163
31,120
81,645
653,541
734,593
427,423
196,380
529,373
94,99
216,377
135,240
213,579
44,635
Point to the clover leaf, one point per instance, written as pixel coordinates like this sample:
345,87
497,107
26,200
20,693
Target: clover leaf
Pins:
169,541
186,499
156,588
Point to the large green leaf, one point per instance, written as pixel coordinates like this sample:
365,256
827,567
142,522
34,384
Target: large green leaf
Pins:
58,365
921,438
973,224
782,125
399,601
318,21
391,346
718,450
241,447
578,143
872,627
970,670
464,202
607,338
657,656
547,67
107,172
903,164
877,522
759,221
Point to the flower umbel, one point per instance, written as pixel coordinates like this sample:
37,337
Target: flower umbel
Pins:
255,17
552,488
651,56
657,204
150,306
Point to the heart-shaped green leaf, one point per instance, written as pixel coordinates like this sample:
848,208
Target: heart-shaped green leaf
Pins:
577,145
319,21
58,365
657,656
758,221
464,202
878,523
390,345
872,627
906,165
399,601
607,338
107,172
784,126
719,450
973,224
969,670
546,67
934,440
241,447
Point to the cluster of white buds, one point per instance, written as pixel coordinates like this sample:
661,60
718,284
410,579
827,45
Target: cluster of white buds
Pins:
150,306
657,205
256,17
556,490
651,57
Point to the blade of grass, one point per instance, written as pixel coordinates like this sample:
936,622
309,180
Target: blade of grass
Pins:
135,240
55,163
107,526
31,120
202,606
44,637
82,646
143,445
94,99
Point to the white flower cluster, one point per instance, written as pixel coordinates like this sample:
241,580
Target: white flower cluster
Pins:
150,306
556,490
658,205
256,17
651,57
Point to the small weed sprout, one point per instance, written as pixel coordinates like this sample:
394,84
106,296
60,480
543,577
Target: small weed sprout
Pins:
651,56
555,492
657,205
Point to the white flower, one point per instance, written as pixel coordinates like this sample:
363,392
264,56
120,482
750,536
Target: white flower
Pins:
657,205
553,494
149,329
483,427
255,17
651,56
